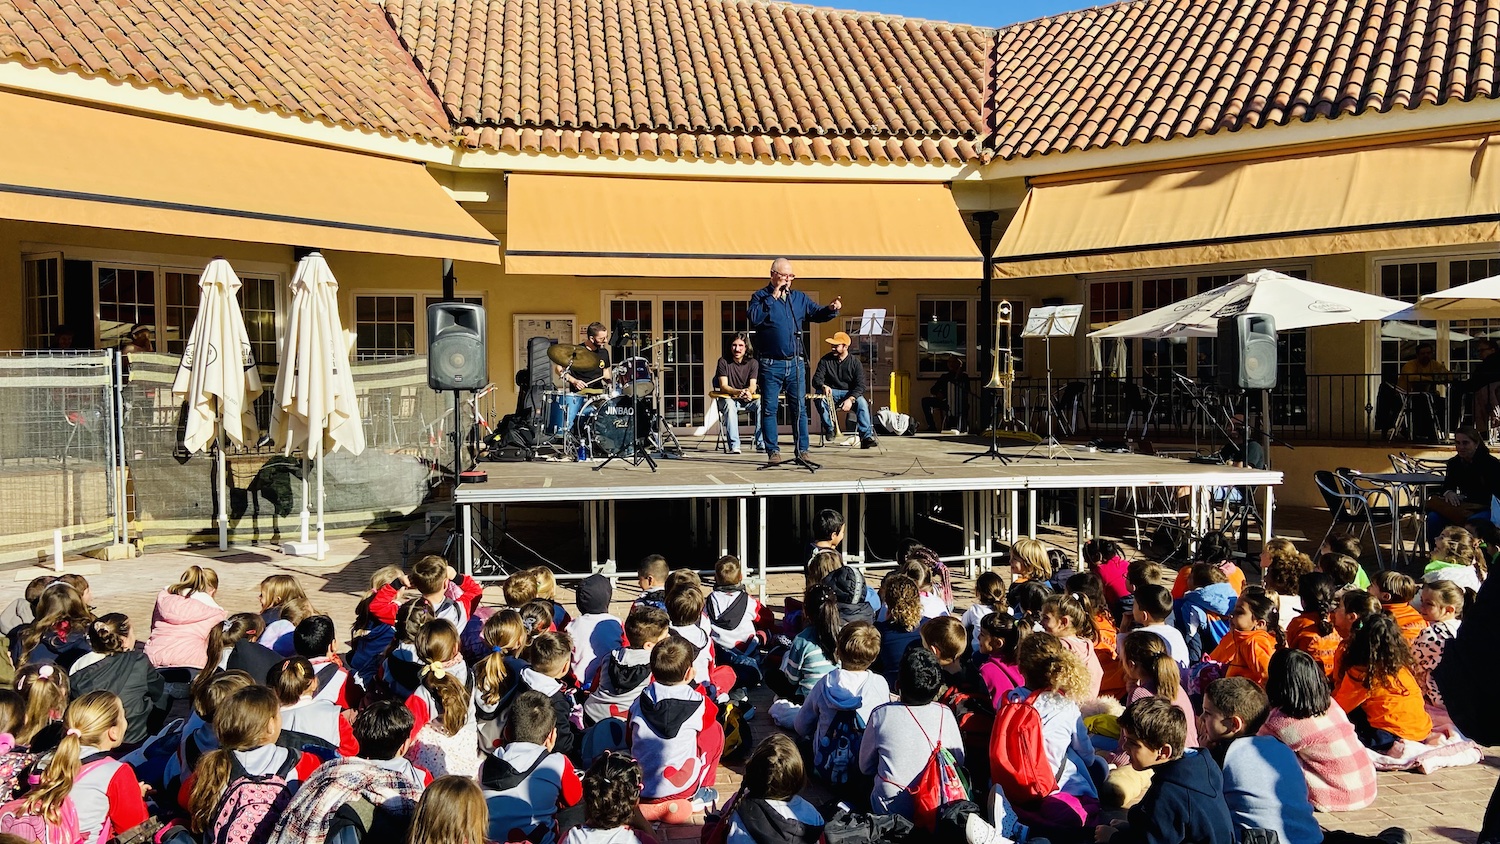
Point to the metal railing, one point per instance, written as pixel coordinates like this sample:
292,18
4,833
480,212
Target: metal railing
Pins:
1344,407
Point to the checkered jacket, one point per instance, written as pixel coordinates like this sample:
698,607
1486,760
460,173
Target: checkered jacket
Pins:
335,784
1340,775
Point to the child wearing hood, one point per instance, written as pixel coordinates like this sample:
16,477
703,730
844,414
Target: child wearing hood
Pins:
675,734
1201,615
1185,803
595,632
850,687
848,585
624,672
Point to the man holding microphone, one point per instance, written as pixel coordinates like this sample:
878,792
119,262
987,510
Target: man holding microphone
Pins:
777,313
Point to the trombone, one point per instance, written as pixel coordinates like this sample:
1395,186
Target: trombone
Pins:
1005,379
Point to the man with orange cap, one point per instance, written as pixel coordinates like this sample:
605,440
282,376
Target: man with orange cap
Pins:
841,379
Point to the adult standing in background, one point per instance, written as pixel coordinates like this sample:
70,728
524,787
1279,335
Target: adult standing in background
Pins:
777,313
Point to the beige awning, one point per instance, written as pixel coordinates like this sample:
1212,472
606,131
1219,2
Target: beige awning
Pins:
1428,194
654,228
76,165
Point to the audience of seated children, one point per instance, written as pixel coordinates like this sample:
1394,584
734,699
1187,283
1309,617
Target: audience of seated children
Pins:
1217,550
900,736
848,695
738,622
184,614
319,720
1201,614
1254,634
1056,683
1352,608
811,654
999,636
1376,687
651,577
611,789
275,590
1340,775
902,623
595,632
104,791
989,597
445,739
1395,592
116,666
1312,630
380,774
1067,619
945,637
625,671
1139,573
1028,564
1185,801
1153,610
1456,559
198,736
531,791
1088,590
675,733
1062,568
547,658
769,809
1151,670
1442,607
1263,783
1104,559
451,596
1281,566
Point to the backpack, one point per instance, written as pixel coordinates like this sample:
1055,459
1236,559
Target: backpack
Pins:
836,755
732,615
1018,755
251,805
976,723
940,782
737,741
15,820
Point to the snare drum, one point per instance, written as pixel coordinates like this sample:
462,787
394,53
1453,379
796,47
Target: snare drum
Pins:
562,410
633,378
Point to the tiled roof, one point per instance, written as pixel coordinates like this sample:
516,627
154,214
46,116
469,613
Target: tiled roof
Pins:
705,79
1157,69
334,60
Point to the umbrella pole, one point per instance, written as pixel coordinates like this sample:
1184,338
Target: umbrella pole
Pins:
223,494
305,492
322,549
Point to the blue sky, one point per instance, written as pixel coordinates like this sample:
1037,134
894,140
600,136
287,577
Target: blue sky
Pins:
981,12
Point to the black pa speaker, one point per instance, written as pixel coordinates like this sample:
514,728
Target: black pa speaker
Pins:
456,358
1246,352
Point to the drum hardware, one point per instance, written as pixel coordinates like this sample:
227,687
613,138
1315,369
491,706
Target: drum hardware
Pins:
621,429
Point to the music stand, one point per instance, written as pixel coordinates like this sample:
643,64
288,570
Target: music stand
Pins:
1045,323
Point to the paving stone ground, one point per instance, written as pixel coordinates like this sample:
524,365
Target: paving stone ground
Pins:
1447,806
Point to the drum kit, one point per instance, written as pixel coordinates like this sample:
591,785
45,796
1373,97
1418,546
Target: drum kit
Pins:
613,416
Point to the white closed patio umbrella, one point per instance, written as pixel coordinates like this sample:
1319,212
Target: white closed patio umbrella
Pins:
316,408
217,377
1292,302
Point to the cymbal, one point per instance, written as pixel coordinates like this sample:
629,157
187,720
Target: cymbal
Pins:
576,357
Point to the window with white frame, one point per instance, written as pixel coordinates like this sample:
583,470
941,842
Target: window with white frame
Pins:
1462,334
391,324
1407,281
950,325
42,292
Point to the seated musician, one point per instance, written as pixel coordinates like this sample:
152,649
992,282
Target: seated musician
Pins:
936,406
736,379
578,379
1421,376
841,379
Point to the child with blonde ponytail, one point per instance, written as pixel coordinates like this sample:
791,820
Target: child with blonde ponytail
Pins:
496,677
185,614
446,738
81,785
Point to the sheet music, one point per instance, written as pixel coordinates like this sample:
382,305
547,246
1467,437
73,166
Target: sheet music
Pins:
872,322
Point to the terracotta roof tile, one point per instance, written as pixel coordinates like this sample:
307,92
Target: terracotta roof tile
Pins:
332,60
1157,69
712,79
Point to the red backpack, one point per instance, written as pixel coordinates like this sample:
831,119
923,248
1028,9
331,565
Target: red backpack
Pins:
1018,755
940,782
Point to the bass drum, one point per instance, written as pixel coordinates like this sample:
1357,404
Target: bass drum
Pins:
606,425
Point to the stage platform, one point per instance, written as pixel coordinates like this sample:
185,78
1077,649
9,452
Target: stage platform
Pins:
733,487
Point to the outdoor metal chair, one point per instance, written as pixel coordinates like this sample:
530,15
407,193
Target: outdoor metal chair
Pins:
1352,506
1141,402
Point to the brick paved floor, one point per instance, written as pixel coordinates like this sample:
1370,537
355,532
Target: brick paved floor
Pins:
1446,806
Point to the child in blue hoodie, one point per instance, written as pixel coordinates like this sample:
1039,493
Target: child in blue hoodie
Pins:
851,688
1185,803
1202,614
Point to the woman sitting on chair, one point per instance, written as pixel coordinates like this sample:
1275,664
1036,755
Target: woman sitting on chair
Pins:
1471,478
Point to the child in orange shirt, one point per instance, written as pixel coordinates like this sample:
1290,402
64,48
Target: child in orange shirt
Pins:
1312,630
1254,634
1089,588
1395,590
1378,689
1353,609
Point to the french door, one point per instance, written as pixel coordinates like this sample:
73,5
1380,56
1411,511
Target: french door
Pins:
673,340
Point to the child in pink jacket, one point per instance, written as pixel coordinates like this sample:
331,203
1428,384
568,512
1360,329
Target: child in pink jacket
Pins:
185,613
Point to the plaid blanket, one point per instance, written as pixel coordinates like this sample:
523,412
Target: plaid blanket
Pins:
1340,775
339,782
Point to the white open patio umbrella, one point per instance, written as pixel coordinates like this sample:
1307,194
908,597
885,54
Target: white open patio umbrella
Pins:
316,408
217,377
1293,303
1475,300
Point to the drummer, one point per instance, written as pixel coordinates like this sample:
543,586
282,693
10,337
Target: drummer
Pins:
596,340
736,381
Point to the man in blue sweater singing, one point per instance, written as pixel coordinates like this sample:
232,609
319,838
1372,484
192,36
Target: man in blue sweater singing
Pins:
777,313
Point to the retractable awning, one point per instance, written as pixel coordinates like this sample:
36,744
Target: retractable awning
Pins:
76,165
1428,194
602,226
